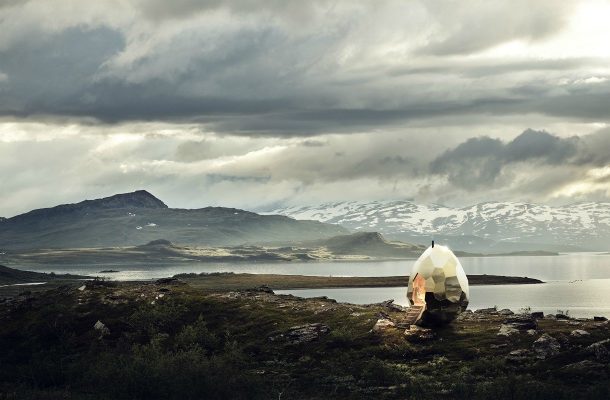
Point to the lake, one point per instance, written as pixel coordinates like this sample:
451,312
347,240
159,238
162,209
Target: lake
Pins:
578,282
571,266
585,298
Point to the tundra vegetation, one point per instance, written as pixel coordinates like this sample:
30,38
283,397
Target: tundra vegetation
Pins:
170,340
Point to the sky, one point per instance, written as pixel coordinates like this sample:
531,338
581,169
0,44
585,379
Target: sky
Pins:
258,104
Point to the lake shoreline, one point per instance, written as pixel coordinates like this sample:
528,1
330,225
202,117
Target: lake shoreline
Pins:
233,281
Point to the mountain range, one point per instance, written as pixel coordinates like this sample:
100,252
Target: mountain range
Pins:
131,219
487,227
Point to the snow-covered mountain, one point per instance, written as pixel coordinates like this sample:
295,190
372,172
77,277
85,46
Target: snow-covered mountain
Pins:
491,226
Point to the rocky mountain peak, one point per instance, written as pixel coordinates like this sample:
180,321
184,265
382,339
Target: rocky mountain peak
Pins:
137,199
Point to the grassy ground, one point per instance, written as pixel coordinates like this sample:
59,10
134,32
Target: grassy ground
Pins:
174,341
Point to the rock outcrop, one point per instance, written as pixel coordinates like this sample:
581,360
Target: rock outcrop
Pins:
546,346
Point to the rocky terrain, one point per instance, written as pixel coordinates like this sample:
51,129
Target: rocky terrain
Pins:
168,340
131,219
487,227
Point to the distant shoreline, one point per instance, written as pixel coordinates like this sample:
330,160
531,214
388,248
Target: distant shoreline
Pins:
232,281
117,257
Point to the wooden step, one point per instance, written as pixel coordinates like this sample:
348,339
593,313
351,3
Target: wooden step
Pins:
413,314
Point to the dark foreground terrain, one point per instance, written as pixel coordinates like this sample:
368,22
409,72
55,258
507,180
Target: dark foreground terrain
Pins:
168,340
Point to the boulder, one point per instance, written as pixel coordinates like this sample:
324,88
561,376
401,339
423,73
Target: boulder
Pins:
101,328
505,311
491,310
537,315
389,304
600,319
383,324
546,346
263,289
579,333
507,330
522,322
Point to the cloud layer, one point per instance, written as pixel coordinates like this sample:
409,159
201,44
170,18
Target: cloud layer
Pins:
294,68
256,102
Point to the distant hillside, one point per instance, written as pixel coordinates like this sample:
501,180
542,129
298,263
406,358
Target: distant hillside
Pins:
11,276
358,246
371,244
133,218
492,227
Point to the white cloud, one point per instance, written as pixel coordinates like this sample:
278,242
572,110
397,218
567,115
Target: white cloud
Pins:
252,102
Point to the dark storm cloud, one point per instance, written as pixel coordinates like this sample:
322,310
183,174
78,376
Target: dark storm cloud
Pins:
480,161
542,146
52,75
275,68
221,100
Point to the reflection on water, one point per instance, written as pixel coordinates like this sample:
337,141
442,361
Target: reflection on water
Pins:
582,298
579,282
572,266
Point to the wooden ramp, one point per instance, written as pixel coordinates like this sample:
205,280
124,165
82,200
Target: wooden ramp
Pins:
414,313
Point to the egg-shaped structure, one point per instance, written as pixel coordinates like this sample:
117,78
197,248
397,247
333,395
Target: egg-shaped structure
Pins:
438,282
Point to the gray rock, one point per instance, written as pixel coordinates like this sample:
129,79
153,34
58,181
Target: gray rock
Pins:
101,328
600,319
263,289
505,311
492,310
383,324
546,346
521,322
507,330
579,333
389,304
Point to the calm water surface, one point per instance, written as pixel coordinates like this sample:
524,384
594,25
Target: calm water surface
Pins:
581,298
573,266
578,282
